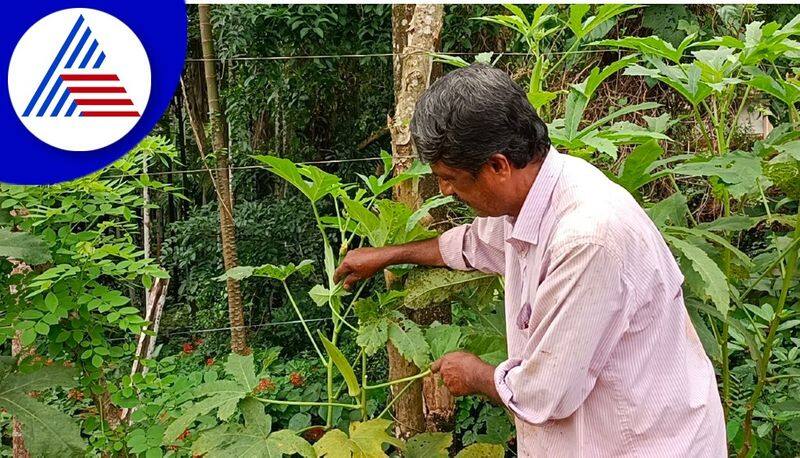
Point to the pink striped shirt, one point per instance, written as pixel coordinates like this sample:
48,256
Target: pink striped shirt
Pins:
603,359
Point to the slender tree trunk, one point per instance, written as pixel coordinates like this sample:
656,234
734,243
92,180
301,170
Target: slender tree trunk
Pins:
415,32
17,439
222,183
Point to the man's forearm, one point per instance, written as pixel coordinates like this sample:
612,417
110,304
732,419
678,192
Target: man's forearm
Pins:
423,252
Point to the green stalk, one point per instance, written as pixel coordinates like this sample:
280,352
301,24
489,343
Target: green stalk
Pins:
307,403
702,125
726,372
363,385
400,380
395,398
763,366
738,113
305,325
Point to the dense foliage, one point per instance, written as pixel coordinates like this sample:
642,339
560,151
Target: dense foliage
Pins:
699,123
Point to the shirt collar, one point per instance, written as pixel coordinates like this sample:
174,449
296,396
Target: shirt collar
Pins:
525,227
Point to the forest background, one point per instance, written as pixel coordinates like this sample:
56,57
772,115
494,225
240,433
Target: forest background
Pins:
289,130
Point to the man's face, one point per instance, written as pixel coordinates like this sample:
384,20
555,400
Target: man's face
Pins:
483,192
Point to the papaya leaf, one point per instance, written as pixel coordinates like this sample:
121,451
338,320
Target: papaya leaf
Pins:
242,369
335,444
23,246
343,365
322,295
47,431
443,339
220,398
670,211
373,335
369,437
311,181
427,287
428,445
280,273
716,285
634,173
254,439
410,342
482,451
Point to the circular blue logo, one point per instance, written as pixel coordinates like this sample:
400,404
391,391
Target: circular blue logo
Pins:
86,82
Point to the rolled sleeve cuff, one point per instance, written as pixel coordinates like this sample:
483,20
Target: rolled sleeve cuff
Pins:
451,245
501,372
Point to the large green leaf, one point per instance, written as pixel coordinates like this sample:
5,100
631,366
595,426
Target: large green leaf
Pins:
268,271
716,285
224,395
338,358
23,246
738,170
407,337
311,181
428,445
369,437
253,440
366,440
635,170
670,211
443,339
426,287
482,451
335,444
47,431
242,369
373,335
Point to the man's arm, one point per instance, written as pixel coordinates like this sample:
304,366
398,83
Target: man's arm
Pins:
363,263
479,245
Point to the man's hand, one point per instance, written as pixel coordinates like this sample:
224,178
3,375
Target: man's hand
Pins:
361,264
464,374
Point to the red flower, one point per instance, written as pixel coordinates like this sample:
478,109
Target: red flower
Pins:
297,379
264,384
210,362
183,435
188,348
198,341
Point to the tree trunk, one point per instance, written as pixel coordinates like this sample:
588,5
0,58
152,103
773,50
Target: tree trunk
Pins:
17,439
222,184
415,32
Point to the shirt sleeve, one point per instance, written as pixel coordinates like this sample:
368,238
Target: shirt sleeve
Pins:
475,246
582,302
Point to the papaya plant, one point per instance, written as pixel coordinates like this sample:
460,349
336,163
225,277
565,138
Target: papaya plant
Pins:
716,78
361,216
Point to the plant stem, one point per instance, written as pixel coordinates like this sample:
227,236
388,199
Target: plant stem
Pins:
703,129
363,385
305,325
726,373
791,268
738,113
308,403
395,398
400,380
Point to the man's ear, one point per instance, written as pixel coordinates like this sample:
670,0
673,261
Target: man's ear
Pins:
499,164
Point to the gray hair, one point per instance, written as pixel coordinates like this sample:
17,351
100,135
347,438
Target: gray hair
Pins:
474,112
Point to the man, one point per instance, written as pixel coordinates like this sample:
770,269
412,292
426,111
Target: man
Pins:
602,357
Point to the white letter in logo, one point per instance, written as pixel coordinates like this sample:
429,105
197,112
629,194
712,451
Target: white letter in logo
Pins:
85,89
